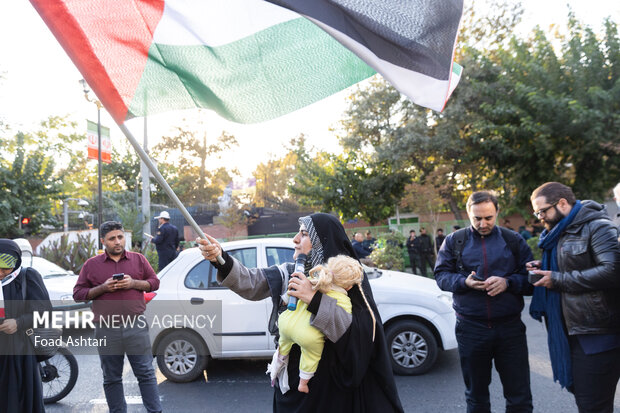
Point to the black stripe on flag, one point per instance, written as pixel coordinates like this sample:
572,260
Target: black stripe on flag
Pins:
418,35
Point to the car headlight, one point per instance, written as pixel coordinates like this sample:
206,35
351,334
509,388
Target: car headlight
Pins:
446,298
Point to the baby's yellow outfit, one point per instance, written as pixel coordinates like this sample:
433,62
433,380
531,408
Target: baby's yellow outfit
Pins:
295,327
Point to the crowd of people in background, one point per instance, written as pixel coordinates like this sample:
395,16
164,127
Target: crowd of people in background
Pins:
422,250
488,268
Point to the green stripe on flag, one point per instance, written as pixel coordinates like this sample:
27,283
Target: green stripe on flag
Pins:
274,72
457,69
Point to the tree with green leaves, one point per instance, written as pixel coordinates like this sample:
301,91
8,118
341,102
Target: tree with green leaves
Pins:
549,116
394,133
193,181
523,114
428,196
349,186
274,177
28,186
233,217
386,126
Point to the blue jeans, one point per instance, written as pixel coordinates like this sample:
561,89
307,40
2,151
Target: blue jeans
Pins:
506,345
135,342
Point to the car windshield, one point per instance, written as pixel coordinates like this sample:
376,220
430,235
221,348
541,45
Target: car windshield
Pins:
46,268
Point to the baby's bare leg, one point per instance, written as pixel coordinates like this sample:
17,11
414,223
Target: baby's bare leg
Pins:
303,385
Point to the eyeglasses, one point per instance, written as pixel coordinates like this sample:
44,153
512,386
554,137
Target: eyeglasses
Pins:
543,211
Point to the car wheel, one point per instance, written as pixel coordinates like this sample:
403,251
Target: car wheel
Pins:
181,356
412,346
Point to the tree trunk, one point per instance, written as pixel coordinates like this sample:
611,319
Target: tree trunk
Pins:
454,208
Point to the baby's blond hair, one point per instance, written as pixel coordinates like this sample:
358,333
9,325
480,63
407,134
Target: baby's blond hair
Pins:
345,272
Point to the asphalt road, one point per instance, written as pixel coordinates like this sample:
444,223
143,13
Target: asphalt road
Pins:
242,386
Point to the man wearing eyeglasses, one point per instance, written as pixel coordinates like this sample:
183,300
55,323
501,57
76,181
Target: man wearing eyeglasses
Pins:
579,294
484,268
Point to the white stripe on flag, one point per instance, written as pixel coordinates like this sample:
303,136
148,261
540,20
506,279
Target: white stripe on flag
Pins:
216,22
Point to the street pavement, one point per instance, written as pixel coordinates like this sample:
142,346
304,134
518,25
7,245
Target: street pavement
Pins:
242,386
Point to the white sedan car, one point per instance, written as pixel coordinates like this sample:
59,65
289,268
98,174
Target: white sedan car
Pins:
58,281
417,316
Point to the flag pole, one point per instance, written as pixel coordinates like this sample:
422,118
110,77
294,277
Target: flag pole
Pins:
161,181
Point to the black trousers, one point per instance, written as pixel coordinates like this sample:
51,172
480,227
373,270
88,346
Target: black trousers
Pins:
426,258
165,257
595,378
414,262
505,345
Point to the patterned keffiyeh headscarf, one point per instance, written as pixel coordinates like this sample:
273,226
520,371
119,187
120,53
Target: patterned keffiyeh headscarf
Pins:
328,238
316,255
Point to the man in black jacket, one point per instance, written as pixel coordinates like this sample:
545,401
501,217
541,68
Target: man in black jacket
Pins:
579,294
167,240
426,250
439,238
412,250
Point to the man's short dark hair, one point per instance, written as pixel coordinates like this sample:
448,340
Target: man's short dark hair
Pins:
109,226
439,229
481,197
413,230
553,192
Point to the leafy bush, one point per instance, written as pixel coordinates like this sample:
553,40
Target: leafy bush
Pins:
70,256
150,253
533,243
388,251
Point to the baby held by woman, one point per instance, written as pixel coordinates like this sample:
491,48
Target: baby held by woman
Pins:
335,278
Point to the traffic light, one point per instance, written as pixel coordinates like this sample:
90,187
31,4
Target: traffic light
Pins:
25,224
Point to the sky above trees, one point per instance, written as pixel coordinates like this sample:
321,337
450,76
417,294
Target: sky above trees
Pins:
39,80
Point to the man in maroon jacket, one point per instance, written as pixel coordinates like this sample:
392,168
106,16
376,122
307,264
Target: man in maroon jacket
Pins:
116,281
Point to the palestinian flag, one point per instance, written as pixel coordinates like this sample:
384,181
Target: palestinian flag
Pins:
251,60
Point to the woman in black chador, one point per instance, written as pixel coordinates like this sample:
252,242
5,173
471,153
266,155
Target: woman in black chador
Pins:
20,380
354,373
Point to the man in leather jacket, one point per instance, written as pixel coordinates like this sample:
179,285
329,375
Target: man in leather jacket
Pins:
587,276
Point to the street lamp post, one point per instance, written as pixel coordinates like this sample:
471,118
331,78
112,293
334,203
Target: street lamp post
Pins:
85,215
99,168
65,210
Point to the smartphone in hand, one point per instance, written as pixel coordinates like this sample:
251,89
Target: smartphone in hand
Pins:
477,277
532,277
118,277
479,274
